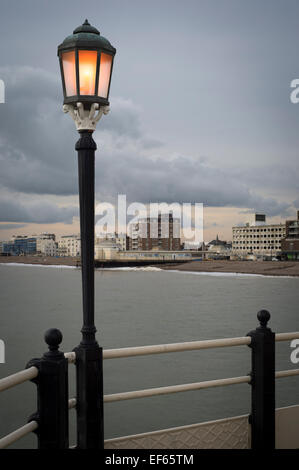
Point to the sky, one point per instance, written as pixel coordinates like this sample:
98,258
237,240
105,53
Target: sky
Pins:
200,110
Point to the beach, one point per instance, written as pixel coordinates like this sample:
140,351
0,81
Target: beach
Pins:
41,260
265,268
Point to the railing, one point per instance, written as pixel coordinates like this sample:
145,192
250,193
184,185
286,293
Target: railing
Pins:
54,363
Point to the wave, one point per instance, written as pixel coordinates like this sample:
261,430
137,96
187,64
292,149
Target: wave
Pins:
61,266
226,274
155,269
127,268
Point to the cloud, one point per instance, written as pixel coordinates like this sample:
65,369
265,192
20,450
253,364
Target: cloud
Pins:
178,179
296,203
11,226
12,210
38,158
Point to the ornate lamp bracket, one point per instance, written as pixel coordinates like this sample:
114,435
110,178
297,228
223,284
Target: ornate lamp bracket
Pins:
86,119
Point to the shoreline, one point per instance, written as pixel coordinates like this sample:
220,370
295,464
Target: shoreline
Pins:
224,267
261,268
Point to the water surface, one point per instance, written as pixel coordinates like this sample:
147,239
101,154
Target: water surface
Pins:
135,308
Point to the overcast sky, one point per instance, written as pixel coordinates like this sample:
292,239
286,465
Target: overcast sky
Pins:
200,110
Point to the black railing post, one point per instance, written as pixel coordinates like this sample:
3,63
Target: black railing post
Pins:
90,434
262,418
52,395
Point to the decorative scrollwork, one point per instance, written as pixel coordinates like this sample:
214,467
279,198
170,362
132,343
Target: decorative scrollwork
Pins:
86,119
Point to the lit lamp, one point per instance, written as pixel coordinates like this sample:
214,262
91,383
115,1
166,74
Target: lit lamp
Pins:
86,61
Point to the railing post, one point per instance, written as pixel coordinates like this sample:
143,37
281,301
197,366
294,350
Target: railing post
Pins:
52,395
262,418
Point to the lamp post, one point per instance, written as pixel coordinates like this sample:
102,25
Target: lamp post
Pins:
86,61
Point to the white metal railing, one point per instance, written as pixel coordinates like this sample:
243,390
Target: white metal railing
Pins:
18,434
286,373
150,392
32,372
188,346
175,347
180,347
18,378
26,429
27,374
71,357
287,336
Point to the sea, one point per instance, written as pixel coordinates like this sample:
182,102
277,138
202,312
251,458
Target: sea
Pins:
138,307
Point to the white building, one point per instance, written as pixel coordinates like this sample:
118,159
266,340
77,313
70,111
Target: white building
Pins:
106,249
133,230
69,245
219,247
258,238
121,240
47,247
45,244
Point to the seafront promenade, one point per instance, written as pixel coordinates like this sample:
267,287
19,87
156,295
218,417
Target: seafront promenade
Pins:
265,268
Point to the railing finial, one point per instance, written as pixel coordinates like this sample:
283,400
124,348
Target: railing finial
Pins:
263,317
53,338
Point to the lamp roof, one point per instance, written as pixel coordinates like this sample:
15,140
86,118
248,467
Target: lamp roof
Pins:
86,36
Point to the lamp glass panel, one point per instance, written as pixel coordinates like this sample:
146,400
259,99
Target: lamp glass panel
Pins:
87,72
104,78
69,72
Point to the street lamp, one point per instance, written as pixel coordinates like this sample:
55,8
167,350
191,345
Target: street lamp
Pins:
86,61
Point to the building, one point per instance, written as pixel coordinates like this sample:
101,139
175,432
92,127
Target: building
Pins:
290,244
220,248
258,238
69,245
106,249
19,245
132,240
46,245
159,233
121,240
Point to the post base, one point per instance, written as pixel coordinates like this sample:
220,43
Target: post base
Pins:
90,422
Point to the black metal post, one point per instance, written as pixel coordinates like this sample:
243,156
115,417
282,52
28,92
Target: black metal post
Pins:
262,418
52,395
89,364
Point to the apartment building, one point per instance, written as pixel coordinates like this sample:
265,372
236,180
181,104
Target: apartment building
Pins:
19,245
160,233
258,238
290,244
69,245
46,244
47,247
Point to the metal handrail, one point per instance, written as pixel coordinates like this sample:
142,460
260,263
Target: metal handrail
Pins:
189,387
33,425
27,374
71,357
27,429
287,336
286,373
175,347
176,389
18,434
188,346
18,378
179,347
